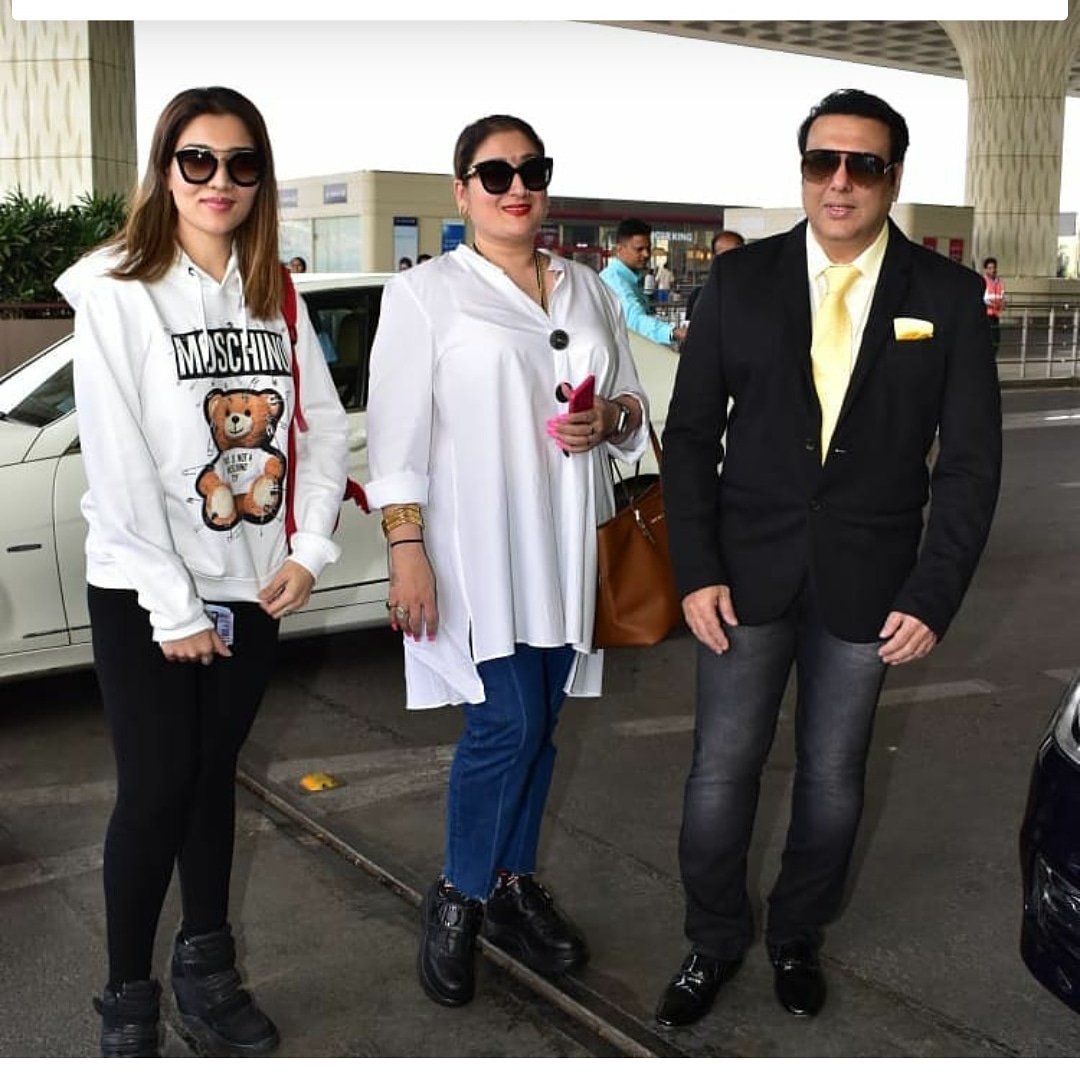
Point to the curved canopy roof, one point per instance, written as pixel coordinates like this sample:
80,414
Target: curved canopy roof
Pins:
912,46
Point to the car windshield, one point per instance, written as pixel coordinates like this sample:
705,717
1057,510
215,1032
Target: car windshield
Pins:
46,402
41,391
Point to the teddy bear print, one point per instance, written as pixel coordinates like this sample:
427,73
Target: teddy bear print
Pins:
245,479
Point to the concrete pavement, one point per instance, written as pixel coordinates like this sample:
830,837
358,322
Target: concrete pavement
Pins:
923,962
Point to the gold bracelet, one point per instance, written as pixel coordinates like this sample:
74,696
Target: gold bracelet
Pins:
406,514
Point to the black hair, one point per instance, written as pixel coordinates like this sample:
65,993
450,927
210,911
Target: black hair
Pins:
988,260
468,141
730,234
629,227
860,103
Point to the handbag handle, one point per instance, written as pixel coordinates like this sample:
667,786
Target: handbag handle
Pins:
637,465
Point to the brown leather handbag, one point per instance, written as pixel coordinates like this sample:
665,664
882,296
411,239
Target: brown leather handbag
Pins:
637,602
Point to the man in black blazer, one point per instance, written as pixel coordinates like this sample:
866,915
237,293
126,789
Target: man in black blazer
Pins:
804,548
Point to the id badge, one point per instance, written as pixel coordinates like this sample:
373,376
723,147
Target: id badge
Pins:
224,621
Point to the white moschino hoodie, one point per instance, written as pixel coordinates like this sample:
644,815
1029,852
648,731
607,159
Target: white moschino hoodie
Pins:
184,407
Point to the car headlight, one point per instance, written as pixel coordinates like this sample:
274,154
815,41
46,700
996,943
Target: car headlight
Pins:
1065,726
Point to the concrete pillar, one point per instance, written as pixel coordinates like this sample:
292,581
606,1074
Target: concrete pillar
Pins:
67,107
1016,75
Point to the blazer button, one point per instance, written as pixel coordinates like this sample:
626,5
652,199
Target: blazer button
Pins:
815,504
810,444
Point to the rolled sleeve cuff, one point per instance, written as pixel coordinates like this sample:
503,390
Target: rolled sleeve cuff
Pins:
313,552
175,633
403,487
631,450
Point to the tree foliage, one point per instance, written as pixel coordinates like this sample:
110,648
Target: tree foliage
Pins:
40,239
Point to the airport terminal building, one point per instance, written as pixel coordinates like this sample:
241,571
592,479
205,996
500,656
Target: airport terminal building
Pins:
370,220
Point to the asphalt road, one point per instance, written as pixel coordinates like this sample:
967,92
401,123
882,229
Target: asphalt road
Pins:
923,962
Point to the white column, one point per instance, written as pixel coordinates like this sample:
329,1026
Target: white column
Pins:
1016,74
67,107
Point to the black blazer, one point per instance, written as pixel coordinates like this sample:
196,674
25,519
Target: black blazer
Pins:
776,516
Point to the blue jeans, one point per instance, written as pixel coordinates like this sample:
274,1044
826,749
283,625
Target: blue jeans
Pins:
738,699
502,768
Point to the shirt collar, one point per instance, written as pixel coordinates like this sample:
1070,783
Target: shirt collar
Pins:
868,262
624,270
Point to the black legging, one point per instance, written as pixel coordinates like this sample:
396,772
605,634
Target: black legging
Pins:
177,729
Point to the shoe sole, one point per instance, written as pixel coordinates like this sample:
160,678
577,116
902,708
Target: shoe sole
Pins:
210,1043
517,946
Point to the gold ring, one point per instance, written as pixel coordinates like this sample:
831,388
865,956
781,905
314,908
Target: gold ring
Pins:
401,612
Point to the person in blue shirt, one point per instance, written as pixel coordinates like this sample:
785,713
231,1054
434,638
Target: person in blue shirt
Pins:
633,246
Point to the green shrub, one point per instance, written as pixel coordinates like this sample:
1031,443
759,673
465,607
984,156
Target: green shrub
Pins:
39,240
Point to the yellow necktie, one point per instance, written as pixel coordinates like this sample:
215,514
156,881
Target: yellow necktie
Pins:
830,351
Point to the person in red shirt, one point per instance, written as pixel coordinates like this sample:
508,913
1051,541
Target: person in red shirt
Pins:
994,299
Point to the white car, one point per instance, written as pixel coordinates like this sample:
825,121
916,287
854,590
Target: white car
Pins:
44,624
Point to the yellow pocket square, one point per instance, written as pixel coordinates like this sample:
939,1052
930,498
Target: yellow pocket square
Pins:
906,329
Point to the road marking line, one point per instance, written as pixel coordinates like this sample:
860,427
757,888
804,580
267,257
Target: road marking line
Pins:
1017,421
660,725
72,863
58,795
910,695
674,725
354,796
1062,674
373,761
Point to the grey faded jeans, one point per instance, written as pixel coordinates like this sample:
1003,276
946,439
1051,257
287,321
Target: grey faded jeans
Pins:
738,699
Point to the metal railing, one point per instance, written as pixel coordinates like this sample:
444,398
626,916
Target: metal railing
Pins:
1040,340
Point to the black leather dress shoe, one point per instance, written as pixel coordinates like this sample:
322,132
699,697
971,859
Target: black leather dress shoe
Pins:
799,982
521,918
446,964
690,994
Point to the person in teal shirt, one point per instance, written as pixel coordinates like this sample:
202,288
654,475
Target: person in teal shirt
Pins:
633,246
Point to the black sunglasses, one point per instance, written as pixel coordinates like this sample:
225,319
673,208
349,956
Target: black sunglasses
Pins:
199,166
497,175
864,169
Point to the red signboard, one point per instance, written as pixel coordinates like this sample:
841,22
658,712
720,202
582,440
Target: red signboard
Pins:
956,248
930,242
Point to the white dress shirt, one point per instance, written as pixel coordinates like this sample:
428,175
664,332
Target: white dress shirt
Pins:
463,378
861,291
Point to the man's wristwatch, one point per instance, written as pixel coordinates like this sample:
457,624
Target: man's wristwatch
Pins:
623,423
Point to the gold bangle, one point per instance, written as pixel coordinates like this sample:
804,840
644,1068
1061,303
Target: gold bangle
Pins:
406,514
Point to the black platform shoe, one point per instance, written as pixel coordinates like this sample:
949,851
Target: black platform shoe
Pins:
522,920
219,1014
446,965
129,1019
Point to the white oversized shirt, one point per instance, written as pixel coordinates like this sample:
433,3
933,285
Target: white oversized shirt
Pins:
463,379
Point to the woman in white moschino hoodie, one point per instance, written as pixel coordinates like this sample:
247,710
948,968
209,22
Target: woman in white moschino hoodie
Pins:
185,388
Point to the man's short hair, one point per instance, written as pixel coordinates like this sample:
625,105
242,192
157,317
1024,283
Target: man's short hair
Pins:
860,103
631,227
736,238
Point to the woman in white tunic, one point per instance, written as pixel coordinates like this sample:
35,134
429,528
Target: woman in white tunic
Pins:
491,491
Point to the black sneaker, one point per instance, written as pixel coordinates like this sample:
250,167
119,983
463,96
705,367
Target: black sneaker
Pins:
522,920
217,1012
129,1020
446,964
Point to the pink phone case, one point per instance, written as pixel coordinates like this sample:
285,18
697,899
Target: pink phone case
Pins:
581,397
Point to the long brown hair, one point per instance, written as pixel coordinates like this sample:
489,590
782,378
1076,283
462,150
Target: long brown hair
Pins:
148,238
